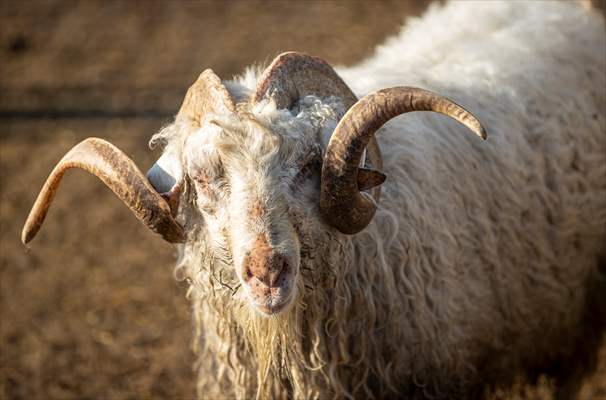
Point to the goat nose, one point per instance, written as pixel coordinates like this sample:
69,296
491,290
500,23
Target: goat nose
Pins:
266,269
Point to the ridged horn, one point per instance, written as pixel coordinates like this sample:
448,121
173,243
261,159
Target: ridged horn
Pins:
341,203
121,175
294,75
102,159
205,96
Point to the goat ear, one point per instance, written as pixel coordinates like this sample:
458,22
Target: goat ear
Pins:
166,176
369,178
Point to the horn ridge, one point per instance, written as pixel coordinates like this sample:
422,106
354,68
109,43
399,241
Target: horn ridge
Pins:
341,203
293,75
121,175
206,95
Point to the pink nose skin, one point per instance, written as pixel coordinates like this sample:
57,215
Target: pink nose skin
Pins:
265,265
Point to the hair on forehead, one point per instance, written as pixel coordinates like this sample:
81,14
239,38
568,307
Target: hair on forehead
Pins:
244,137
310,121
262,130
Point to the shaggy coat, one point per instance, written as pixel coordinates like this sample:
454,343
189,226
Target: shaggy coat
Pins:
481,265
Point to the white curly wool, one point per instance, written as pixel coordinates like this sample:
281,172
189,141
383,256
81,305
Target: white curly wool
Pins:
481,265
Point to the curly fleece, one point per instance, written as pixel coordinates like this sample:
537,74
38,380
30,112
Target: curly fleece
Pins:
482,264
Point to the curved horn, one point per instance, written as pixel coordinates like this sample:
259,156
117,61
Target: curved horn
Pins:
341,203
206,95
294,75
121,175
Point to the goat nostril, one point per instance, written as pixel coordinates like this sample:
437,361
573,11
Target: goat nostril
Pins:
280,268
273,277
268,271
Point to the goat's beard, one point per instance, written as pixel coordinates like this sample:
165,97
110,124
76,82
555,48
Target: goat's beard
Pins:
247,352
297,353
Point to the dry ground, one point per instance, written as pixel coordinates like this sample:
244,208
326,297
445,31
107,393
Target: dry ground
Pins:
92,309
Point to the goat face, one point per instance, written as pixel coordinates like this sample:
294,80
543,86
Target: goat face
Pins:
255,183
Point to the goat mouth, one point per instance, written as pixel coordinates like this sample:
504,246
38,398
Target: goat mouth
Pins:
272,309
270,298
272,304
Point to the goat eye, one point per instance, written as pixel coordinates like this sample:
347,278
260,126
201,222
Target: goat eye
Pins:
306,167
202,182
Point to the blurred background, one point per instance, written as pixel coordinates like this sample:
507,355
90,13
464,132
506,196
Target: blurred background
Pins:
92,310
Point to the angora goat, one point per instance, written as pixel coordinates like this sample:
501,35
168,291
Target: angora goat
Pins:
477,265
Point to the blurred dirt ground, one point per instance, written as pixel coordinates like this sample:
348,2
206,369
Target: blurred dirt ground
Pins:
92,309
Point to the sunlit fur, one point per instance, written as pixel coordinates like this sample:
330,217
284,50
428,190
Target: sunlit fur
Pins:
481,264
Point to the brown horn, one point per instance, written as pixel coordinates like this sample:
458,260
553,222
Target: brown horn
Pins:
206,95
341,203
121,175
294,75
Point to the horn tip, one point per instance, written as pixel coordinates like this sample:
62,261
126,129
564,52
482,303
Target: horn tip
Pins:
478,129
27,235
482,133
30,228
